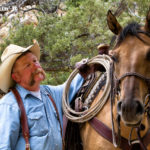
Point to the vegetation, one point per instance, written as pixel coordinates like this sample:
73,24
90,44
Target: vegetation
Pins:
76,35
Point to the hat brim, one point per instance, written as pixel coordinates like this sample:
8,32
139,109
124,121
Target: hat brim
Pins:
6,81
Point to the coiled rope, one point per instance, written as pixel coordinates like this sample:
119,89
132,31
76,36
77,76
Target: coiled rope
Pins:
88,114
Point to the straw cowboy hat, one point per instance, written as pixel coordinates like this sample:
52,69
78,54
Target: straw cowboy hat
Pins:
8,58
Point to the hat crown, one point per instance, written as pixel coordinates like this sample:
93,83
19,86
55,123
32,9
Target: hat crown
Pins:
11,50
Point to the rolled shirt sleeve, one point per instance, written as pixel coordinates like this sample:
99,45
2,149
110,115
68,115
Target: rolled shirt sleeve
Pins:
75,86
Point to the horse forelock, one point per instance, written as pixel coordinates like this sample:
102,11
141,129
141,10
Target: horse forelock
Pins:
131,29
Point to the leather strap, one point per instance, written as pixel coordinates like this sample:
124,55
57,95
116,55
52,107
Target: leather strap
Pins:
65,122
24,122
53,102
106,132
146,138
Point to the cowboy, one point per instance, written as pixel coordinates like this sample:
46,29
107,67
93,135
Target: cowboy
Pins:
28,101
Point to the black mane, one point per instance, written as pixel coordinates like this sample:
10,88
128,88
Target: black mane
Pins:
131,29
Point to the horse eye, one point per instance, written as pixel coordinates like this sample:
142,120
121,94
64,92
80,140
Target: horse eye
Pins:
148,55
114,58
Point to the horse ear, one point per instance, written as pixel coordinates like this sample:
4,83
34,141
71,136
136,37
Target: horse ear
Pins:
113,24
103,49
147,23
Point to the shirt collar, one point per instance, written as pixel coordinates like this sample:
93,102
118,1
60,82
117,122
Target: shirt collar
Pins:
24,92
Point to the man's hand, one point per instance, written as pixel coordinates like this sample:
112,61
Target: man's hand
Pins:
85,69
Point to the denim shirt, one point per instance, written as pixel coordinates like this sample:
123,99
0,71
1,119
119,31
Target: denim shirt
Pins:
44,128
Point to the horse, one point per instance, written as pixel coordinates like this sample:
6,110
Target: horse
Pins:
126,113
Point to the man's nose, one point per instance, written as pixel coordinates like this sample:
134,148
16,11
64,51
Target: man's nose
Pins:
36,65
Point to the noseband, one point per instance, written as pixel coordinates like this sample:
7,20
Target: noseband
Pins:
127,74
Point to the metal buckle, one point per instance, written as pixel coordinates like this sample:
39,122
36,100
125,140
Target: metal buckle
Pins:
27,146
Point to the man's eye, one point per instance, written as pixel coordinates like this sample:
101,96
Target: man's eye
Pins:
28,65
34,60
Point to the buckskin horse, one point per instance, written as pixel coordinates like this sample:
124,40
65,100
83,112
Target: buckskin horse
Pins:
130,103
124,121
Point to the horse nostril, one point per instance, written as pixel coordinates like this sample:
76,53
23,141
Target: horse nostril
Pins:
119,107
139,108
136,107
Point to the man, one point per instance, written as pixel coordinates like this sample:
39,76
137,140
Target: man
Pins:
20,69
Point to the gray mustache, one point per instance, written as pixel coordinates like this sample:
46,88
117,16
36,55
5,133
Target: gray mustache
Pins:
39,70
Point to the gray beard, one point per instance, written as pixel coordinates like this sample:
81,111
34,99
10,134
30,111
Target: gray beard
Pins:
31,83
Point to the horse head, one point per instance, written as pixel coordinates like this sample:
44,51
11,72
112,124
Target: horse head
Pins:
131,57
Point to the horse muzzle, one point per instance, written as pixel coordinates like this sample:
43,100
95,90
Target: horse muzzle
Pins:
131,111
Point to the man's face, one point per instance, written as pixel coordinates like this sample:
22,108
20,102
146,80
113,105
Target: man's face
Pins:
28,72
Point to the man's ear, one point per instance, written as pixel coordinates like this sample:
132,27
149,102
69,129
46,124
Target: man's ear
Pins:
15,77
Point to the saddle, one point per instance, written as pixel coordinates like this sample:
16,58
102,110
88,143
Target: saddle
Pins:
88,91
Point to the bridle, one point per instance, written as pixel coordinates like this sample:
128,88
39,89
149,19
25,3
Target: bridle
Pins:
135,74
115,90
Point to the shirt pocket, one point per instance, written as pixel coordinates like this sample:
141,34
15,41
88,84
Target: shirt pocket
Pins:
37,124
